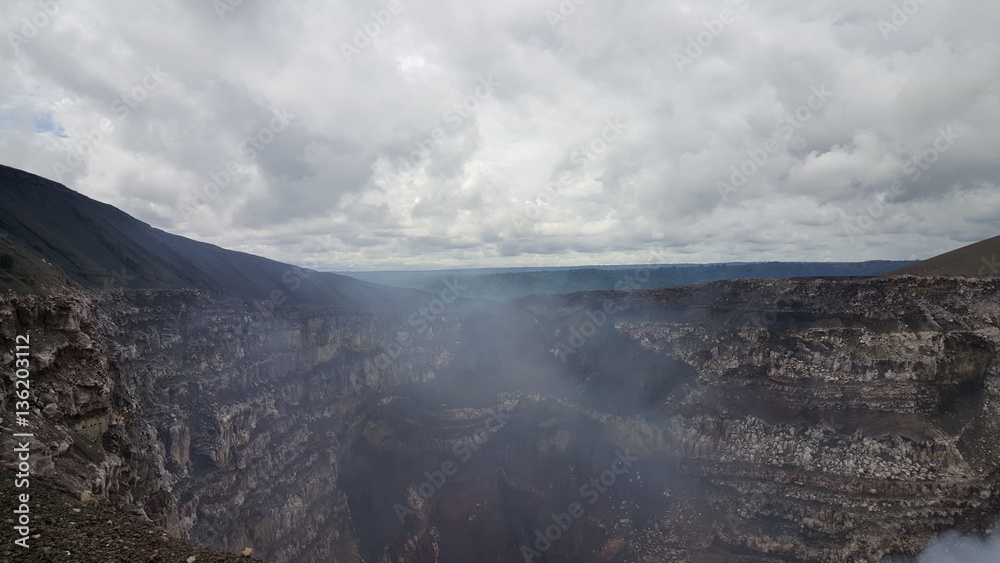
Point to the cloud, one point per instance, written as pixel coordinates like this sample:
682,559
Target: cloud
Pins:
398,156
953,547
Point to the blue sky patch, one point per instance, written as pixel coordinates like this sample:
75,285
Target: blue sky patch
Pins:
44,123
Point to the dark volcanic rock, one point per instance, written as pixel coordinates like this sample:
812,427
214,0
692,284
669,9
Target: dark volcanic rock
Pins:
760,421
70,529
217,421
809,420
828,420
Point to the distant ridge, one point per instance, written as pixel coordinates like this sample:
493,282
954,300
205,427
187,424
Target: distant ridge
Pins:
972,261
512,283
52,236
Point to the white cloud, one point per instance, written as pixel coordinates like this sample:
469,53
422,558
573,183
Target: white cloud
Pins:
334,172
953,547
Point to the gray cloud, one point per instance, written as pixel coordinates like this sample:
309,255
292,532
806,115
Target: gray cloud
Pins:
954,547
398,157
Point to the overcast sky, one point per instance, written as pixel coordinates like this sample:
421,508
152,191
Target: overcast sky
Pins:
518,132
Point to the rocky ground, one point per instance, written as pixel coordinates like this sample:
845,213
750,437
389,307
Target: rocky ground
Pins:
65,528
762,421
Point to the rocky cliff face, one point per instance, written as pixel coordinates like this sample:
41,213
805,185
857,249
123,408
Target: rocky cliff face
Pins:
819,420
792,420
220,419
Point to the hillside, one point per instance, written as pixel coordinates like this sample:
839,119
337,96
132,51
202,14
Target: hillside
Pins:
975,260
55,237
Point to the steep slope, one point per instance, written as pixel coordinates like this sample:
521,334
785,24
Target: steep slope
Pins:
975,260
154,358
95,245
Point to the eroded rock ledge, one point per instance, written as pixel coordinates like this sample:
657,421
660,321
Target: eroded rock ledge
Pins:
795,420
210,417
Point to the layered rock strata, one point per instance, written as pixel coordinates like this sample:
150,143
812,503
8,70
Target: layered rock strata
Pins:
796,420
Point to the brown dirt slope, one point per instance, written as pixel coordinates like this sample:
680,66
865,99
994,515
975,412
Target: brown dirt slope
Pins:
975,260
